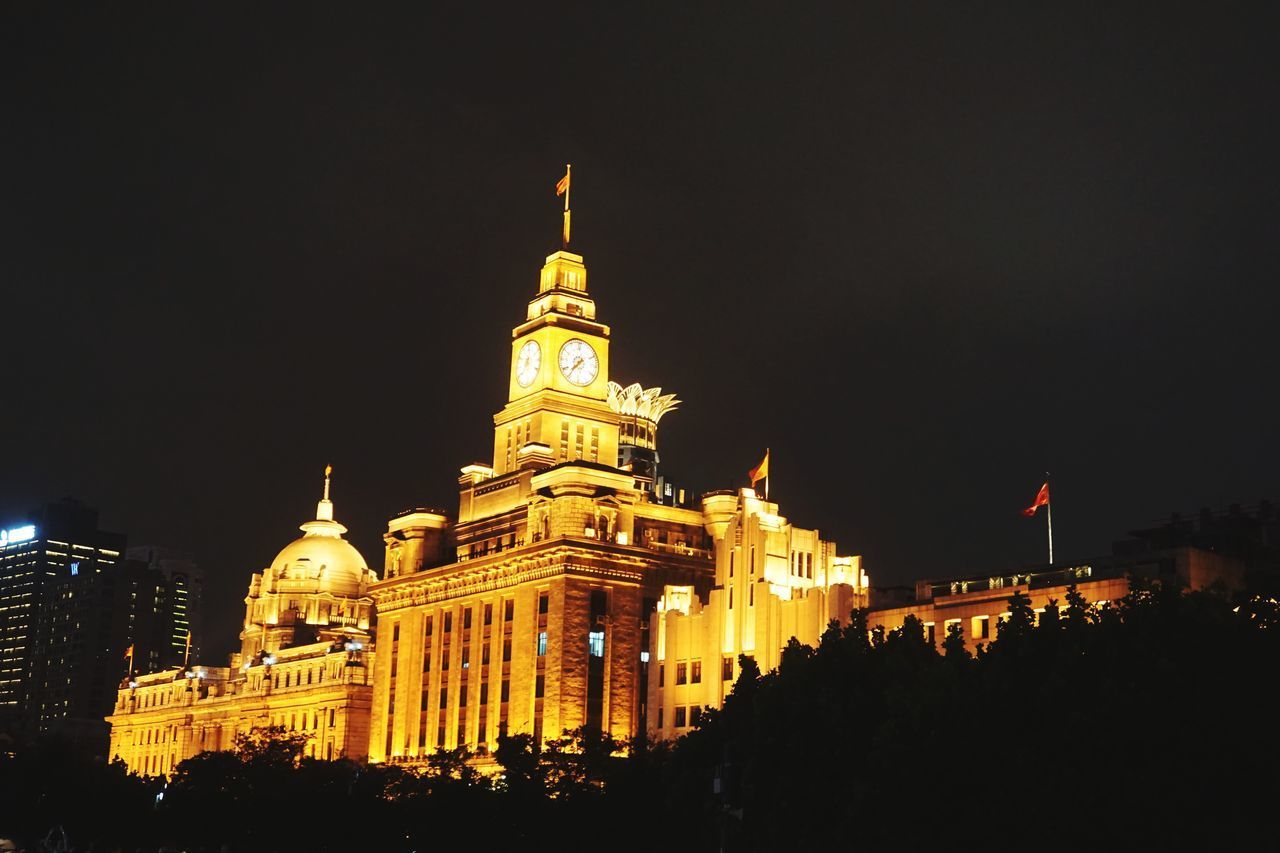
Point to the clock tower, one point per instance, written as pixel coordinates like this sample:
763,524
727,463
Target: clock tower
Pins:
557,407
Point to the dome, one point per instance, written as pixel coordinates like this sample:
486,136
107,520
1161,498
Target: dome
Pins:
318,563
321,560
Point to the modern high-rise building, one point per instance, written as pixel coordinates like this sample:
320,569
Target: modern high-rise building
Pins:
180,628
54,566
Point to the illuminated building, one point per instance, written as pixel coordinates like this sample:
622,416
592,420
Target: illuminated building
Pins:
531,611
57,589
301,664
773,582
977,605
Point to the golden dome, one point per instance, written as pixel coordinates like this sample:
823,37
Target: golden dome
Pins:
315,563
321,560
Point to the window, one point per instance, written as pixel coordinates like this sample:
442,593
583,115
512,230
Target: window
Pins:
466,657
484,655
680,712
726,668
929,636
488,614
539,686
508,609
543,602
448,621
542,643
662,675
444,698
595,644
506,650
980,627
751,595
696,674
695,714
484,694
505,694
659,716
395,630
466,618
682,673
730,598
430,620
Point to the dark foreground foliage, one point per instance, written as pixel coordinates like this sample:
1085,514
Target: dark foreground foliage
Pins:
1148,722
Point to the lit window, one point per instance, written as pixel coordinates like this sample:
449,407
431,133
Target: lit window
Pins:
726,668
595,644
696,675
682,673
542,643
980,627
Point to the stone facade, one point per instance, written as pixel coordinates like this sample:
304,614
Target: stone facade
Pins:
773,581
301,665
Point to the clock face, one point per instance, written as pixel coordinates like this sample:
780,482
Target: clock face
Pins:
578,362
528,362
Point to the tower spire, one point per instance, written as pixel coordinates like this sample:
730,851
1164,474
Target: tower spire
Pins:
324,509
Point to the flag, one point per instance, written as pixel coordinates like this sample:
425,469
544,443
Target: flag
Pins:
128,653
761,471
1042,499
562,186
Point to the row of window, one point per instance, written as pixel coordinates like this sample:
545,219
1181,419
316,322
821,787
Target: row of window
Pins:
691,672
980,626
684,716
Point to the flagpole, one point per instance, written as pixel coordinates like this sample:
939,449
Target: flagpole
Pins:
1049,518
766,478
568,188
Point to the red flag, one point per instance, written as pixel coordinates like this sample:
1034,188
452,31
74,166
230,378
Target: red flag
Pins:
1042,499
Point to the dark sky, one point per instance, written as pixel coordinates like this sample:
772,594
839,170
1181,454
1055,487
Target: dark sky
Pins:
925,251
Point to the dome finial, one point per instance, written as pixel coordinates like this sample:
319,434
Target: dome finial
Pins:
324,509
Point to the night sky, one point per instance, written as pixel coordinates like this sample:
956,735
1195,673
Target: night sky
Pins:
924,251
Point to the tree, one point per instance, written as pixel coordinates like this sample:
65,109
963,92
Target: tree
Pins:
271,746
519,756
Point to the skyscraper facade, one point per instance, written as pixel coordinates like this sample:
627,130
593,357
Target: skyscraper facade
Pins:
57,572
